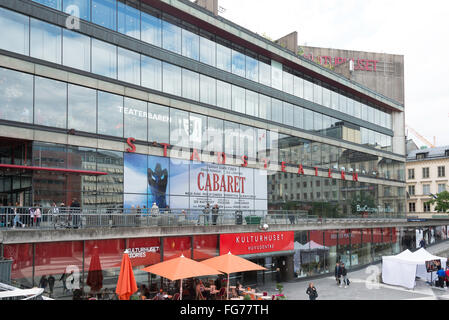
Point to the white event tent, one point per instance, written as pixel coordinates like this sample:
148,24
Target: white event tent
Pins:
402,269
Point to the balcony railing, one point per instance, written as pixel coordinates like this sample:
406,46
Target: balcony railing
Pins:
61,218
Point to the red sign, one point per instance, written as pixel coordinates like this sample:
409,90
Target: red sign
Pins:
256,242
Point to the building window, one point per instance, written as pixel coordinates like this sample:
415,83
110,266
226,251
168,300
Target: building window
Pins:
421,155
411,190
441,171
411,207
411,173
17,37
426,207
425,172
426,189
441,187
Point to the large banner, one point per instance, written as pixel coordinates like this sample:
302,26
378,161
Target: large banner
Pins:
183,184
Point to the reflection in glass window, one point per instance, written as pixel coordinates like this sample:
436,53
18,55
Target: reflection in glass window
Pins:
264,107
252,69
16,96
179,128
334,100
151,73
151,29
317,93
364,112
198,131
190,45
238,63
158,123
238,99
208,89
370,114
110,114
190,85
207,51
317,121
16,39
171,81
276,74
171,37
357,109
231,130
298,86
265,73
308,119
104,59
128,66
287,82
288,114
350,107
55,4
272,147
224,97
50,103
135,114
327,123
77,8
82,109
343,103
214,135
45,42
76,50
128,20
308,90
104,13
298,117
326,97
276,110
252,103
247,139
224,58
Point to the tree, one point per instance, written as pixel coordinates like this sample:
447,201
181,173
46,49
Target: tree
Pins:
441,201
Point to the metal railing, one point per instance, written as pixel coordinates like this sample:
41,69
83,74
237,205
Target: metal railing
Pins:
61,218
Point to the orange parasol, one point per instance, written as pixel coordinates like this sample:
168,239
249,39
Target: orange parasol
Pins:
181,268
126,284
228,263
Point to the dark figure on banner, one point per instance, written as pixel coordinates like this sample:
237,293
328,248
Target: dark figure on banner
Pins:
158,180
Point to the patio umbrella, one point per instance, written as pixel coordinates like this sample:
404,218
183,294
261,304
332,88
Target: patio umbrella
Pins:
181,268
126,284
228,263
95,275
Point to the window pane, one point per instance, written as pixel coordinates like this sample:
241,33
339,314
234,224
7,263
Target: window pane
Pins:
104,59
151,73
104,13
190,85
128,20
224,95
78,8
317,94
238,99
357,109
76,52
214,135
82,109
55,4
334,100
247,141
16,96
207,51
252,103
317,121
171,79
288,114
151,29
231,139
135,113
45,41
50,103
238,63
110,114
17,37
198,131
190,45
308,90
264,107
287,82
171,37
179,128
343,103
208,88
350,106
158,123
252,69
264,73
223,58
128,66
276,110
326,97
308,119
298,116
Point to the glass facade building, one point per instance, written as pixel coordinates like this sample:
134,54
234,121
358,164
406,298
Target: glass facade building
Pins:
131,88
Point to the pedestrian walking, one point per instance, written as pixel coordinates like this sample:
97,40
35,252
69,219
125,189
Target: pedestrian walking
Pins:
51,284
422,243
441,276
38,215
312,292
54,211
75,209
215,212
154,209
16,212
206,212
43,282
338,273
31,211
344,274
64,284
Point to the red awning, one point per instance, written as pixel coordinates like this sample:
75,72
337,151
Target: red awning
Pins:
75,171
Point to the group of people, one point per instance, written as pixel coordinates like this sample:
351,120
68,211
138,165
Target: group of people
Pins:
443,276
207,211
341,275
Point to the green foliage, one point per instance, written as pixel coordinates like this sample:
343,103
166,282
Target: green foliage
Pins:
442,202
246,297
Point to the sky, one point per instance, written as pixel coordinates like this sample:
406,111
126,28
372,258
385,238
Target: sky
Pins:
419,30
